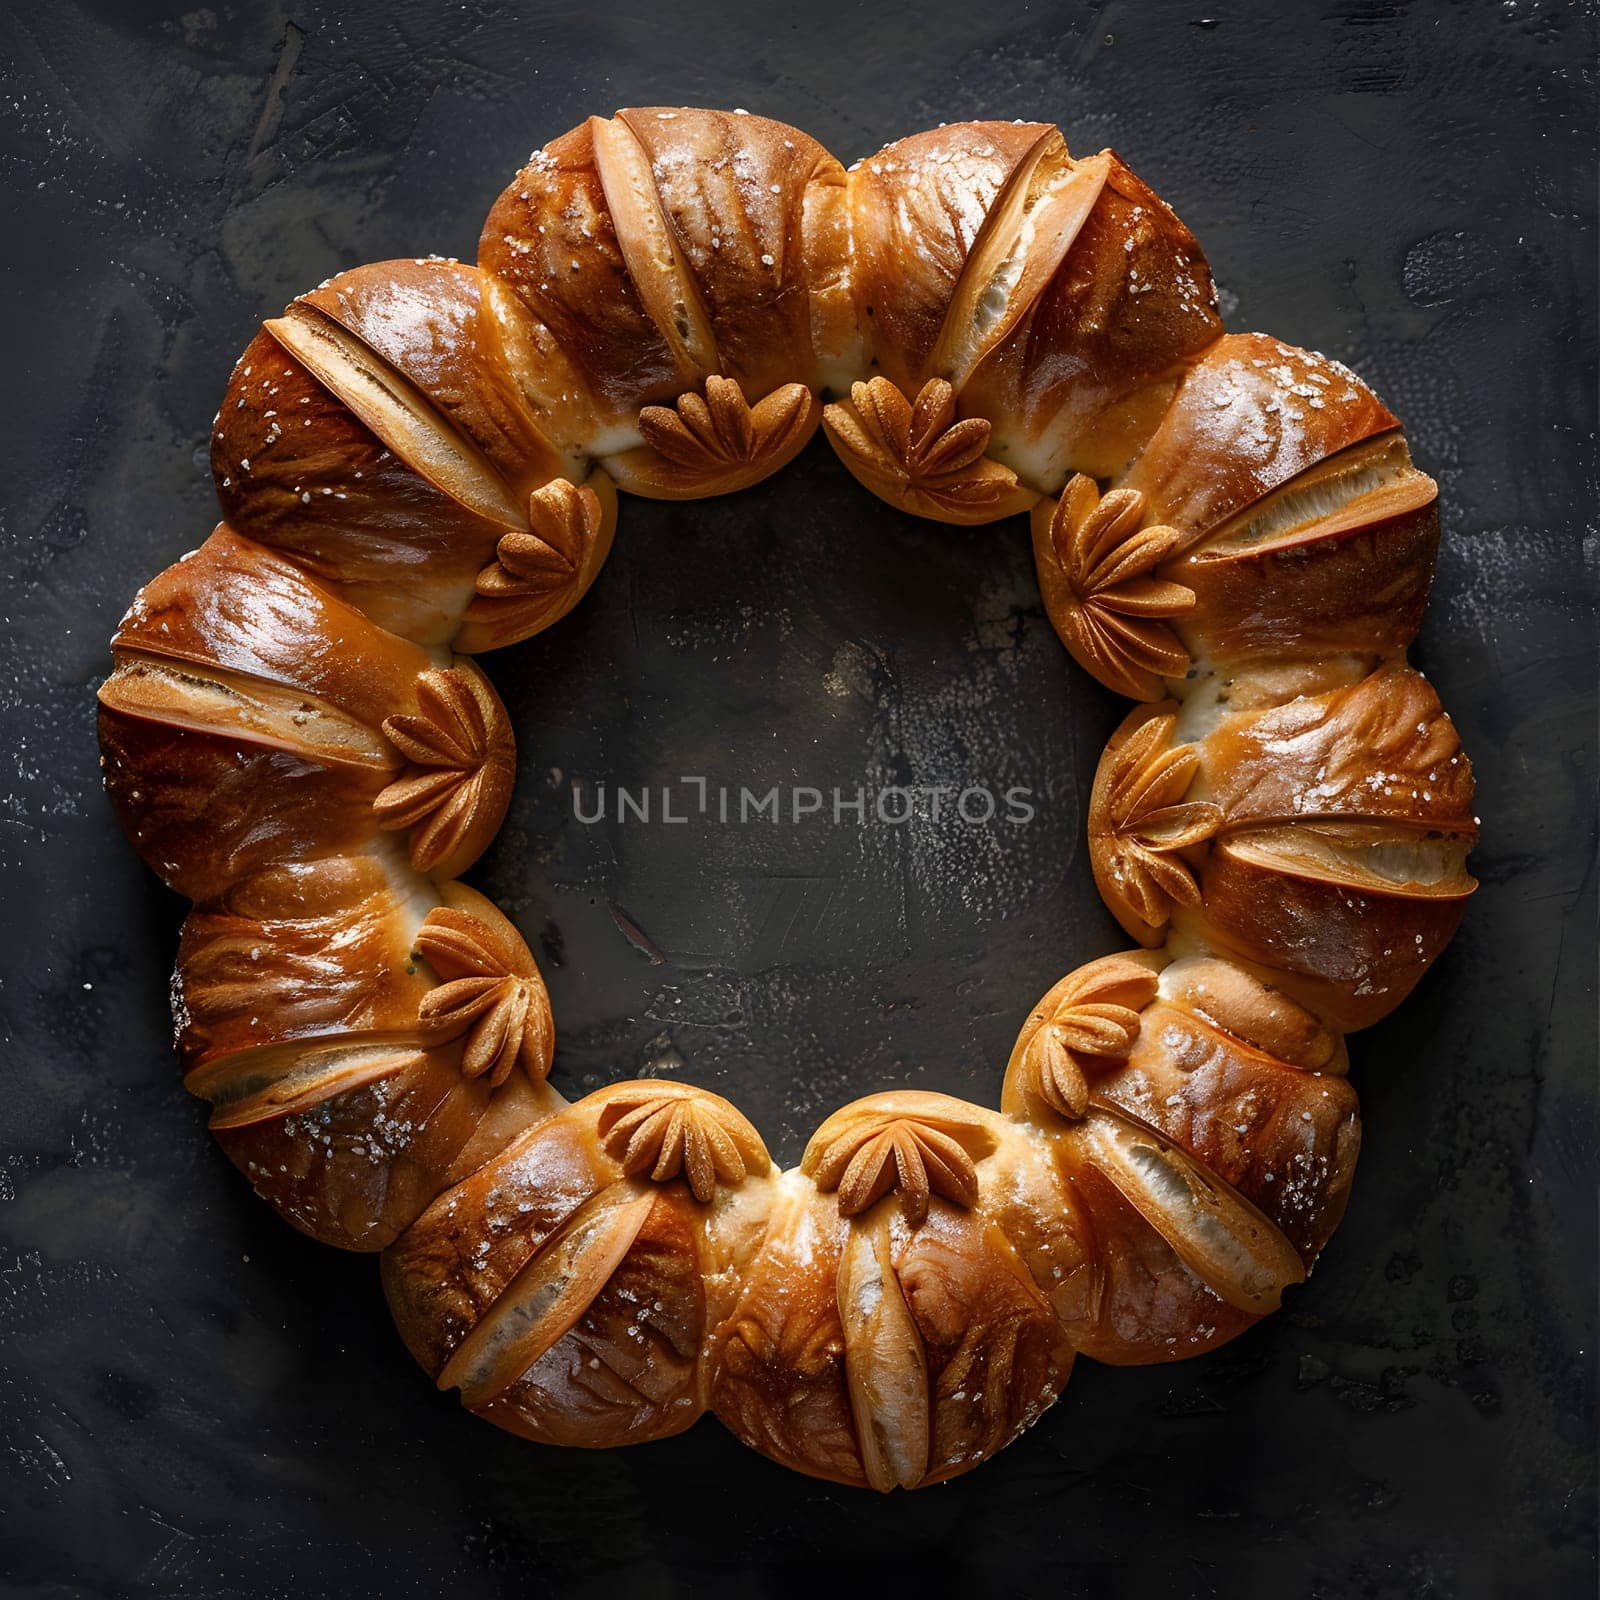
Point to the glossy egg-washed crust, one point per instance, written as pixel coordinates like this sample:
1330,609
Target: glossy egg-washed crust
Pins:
418,462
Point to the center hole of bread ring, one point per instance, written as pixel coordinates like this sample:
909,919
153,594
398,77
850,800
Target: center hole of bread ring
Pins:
792,640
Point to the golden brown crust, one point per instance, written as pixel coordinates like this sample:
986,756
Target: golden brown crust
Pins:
1322,839
912,1144
298,470
1149,1305
1350,953
1382,748
421,454
662,1131
916,210
353,1159
1330,571
491,995
551,237
205,809
668,245
239,729
1059,299
1084,377
995,1355
732,188
404,380
1335,564
456,335
1208,1152
778,1368
235,608
299,951
1251,414
560,1286
328,1046
886,1351
1227,998
1086,1024
1284,1138
538,576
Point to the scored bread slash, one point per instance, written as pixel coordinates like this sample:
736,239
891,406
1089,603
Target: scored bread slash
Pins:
654,259
1224,1240
396,411
1024,239
546,1298
885,1361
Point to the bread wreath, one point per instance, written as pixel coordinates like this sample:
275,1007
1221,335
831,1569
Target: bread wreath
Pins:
417,462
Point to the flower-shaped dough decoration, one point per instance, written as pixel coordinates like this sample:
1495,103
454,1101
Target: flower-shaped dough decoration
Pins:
723,430
540,573
916,1145
1090,1023
917,454
1096,562
1140,824
664,1130
491,991
563,518
460,764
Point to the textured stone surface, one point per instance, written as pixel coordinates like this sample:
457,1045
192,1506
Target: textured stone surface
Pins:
193,1400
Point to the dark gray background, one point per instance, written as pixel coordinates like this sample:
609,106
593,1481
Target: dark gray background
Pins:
194,1400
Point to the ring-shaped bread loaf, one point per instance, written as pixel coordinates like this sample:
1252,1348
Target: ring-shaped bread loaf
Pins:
417,462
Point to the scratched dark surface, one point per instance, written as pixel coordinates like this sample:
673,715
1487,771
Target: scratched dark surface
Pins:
196,1401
